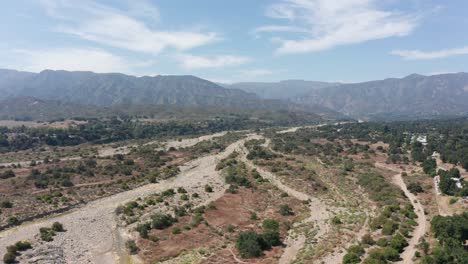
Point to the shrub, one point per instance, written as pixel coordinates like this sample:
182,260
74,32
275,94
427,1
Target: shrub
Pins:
143,229
285,210
7,174
211,206
9,258
367,240
132,247
176,231
12,220
57,227
398,242
390,253
336,220
355,249
389,227
161,221
415,188
181,190
23,245
168,192
208,188
253,216
231,228
249,244
6,204
351,258
46,234
382,242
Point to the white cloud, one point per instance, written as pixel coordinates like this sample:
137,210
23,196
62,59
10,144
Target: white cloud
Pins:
335,23
104,25
72,59
201,62
429,55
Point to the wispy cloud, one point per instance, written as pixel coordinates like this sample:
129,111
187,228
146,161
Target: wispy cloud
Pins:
191,62
276,28
334,23
72,59
430,55
112,27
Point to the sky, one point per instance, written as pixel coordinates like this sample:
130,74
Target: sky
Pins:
242,40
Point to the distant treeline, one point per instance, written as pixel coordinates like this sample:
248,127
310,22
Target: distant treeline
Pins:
447,137
113,130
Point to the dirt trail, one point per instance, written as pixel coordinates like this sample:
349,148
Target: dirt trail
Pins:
91,230
420,229
318,211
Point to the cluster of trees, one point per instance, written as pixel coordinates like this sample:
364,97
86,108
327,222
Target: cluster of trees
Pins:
447,137
251,244
448,185
451,233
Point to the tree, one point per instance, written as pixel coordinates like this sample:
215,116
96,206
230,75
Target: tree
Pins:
415,188
429,166
249,244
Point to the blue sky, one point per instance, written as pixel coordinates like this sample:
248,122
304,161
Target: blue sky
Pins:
242,40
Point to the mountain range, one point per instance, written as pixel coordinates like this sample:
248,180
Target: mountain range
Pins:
83,93
414,96
288,89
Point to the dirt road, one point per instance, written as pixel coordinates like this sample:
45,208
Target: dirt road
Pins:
319,215
91,235
420,229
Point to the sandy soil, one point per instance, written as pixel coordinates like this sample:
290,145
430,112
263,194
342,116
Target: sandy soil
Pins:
91,235
61,124
111,151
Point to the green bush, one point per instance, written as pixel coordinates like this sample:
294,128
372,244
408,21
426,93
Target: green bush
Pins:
208,188
9,258
132,247
23,245
351,258
161,221
249,244
57,227
46,234
285,210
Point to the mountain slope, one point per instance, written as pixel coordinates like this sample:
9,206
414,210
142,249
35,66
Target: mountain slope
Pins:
30,108
110,89
287,89
412,96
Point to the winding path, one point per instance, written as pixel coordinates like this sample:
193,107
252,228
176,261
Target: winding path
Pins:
420,230
318,211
